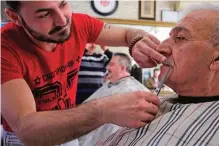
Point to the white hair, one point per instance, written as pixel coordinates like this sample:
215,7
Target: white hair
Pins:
197,7
204,6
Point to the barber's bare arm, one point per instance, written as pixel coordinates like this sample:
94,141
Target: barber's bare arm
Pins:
143,51
47,127
55,127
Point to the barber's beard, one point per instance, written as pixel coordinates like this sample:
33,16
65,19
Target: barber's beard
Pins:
43,38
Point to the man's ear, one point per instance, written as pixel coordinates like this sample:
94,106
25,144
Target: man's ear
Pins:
123,67
13,16
215,63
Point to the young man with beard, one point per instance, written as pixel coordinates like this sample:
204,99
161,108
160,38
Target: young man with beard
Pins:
41,54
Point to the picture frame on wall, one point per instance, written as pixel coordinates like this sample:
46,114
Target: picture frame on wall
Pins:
147,9
104,7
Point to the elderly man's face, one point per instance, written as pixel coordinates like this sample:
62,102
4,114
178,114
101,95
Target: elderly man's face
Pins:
113,68
190,51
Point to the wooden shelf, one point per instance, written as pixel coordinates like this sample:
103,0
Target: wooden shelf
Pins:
138,22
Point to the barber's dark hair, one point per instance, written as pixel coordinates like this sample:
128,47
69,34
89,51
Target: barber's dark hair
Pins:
15,5
124,60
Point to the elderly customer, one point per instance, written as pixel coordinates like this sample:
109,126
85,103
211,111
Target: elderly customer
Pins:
192,117
120,81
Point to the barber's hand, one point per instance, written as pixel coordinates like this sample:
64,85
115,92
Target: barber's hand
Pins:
144,51
104,48
133,109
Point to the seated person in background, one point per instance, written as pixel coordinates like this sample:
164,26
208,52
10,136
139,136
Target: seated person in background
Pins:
120,81
152,82
92,71
119,78
192,117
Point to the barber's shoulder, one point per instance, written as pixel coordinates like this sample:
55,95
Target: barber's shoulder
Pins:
80,16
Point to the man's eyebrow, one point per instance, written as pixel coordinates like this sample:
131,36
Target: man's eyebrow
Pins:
48,9
61,3
180,28
43,10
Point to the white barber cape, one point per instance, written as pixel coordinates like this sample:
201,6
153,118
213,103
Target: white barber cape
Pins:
179,124
126,84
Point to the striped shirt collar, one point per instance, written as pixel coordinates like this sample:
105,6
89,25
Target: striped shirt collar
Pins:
195,99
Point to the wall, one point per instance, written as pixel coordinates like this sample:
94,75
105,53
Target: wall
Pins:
126,10
3,6
129,9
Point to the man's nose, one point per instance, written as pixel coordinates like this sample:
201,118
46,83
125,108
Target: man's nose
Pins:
60,19
165,48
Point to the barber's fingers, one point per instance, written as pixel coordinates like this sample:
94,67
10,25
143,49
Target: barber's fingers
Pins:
151,108
143,120
154,39
148,107
151,44
144,60
149,97
145,51
146,117
139,124
151,52
146,63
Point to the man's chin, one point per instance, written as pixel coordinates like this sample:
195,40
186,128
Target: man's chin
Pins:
62,39
63,36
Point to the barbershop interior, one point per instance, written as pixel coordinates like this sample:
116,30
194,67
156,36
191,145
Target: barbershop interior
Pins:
154,17
103,70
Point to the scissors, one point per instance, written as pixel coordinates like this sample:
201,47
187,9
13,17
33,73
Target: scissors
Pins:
157,90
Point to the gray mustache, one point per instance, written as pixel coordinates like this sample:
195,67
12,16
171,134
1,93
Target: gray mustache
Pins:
168,62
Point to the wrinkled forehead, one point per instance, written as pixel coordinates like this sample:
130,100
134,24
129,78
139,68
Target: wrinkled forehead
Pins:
199,24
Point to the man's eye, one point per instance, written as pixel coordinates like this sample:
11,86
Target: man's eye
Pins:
44,15
179,38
